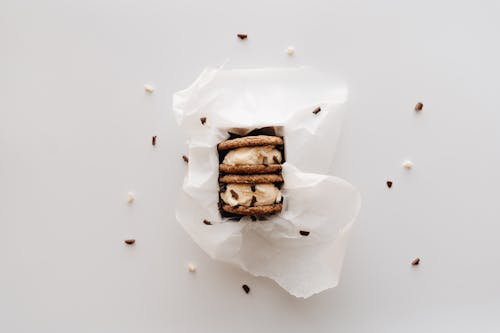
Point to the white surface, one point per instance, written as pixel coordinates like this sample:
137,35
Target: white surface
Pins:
75,137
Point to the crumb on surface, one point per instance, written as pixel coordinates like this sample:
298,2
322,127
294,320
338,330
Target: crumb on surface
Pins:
149,88
130,197
415,261
290,50
191,267
246,288
407,164
242,36
129,241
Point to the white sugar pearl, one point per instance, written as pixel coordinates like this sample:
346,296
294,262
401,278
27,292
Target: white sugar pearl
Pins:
191,268
149,88
290,50
130,197
407,165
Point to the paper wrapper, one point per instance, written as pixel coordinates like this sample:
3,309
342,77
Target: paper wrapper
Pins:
324,205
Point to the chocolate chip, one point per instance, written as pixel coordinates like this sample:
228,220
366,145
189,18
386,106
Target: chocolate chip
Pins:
242,36
153,140
207,222
185,158
129,241
415,261
419,107
246,288
317,110
389,184
222,187
203,120
275,159
253,218
254,200
234,194
304,233
253,187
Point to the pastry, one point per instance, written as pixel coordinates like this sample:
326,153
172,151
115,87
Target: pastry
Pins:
250,169
250,175
251,179
250,141
253,211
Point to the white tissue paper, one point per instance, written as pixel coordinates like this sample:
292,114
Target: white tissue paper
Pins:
324,205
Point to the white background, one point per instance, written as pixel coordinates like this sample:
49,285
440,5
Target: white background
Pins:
75,137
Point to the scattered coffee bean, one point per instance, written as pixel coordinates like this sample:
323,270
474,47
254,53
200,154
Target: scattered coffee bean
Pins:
207,222
246,288
415,261
304,233
234,194
242,36
203,120
153,140
389,184
419,107
129,241
317,110
185,158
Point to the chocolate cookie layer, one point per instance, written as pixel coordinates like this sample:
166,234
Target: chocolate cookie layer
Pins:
250,141
250,169
257,210
251,179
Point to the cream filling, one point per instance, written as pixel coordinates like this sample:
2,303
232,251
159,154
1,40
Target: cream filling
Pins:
253,156
265,194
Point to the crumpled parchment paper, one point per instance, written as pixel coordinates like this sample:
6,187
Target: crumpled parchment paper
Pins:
324,205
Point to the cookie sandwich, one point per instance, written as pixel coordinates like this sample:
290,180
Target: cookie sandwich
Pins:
250,175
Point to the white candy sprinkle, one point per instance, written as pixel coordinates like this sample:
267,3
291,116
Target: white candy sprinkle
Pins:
149,88
130,197
290,50
191,268
407,165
